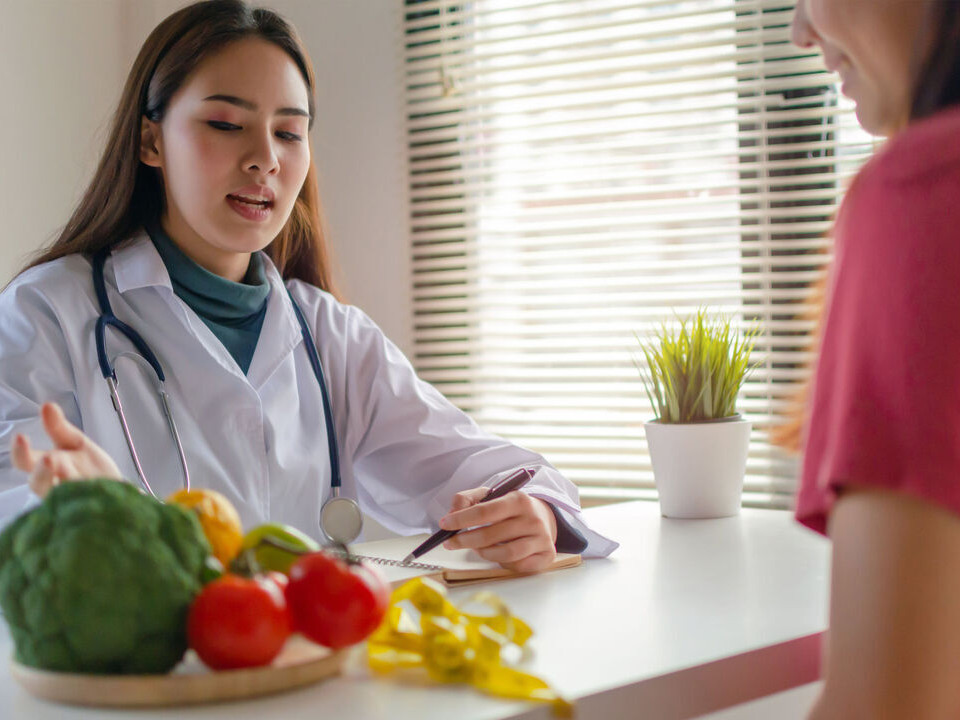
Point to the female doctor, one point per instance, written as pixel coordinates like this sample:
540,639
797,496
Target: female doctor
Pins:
195,264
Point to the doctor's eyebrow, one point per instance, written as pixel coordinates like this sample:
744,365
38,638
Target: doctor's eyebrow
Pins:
248,105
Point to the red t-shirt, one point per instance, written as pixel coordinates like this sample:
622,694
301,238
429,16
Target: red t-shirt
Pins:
885,400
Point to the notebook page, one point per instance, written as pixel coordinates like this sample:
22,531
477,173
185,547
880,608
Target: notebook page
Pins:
398,548
460,565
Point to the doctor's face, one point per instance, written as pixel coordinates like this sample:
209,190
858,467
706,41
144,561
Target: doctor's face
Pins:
233,151
871,43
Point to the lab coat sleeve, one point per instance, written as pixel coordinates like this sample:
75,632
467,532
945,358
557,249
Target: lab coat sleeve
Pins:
410,450
35,368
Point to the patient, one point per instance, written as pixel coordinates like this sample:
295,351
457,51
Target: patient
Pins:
881,428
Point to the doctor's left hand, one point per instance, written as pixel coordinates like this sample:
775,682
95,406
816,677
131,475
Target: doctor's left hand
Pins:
74,455
518,531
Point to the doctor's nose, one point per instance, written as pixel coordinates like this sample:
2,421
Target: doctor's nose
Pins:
262,157
802,33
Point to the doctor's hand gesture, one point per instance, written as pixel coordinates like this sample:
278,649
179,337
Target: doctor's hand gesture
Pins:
74,455
517,530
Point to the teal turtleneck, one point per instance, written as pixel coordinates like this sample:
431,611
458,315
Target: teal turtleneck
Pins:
233,311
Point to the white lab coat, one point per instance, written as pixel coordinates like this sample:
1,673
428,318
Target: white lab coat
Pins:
260,438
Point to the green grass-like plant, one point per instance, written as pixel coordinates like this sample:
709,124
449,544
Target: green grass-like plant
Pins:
695,372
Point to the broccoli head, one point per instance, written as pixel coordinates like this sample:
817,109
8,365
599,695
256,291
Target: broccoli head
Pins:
99,579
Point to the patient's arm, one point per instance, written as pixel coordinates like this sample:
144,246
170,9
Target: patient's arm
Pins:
894,643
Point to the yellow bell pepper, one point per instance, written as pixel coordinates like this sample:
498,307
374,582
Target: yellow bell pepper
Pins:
218,518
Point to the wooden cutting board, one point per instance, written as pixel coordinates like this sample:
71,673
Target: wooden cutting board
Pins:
299,663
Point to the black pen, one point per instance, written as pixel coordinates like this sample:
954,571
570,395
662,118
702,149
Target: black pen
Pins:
520,478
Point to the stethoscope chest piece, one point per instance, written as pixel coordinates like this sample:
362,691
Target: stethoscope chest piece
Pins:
341,520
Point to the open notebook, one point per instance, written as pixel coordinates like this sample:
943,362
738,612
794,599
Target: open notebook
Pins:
452,567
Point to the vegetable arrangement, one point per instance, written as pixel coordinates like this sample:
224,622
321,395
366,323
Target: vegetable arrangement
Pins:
103,579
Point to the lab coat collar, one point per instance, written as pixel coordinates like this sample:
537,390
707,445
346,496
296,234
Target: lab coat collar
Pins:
137,264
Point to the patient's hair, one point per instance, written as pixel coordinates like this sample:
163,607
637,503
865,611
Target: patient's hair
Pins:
937,62
936,86
124,193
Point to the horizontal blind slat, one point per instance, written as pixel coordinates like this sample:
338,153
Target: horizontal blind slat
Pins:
580,170
480,44
424,13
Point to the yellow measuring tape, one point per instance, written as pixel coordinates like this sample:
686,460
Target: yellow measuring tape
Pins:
457,647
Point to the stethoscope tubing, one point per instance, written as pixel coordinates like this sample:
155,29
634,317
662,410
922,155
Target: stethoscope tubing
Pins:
311,347
108,319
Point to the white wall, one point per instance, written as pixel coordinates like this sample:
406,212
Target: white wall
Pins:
62,64
359,145
60,77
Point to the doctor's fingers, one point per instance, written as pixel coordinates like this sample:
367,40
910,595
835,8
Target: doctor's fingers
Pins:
57,466
65,435
466,498
75,455
514,554
43,477
510,505
489,535
89,462
40,466
24,457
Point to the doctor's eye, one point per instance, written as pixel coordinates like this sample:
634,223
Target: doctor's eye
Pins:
219,125
291,137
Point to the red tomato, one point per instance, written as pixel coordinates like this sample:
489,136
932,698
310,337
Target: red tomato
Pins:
237,622
335,603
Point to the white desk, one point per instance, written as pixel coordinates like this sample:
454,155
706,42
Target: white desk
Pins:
686,618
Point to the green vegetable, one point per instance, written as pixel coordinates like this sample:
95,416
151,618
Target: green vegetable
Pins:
99,579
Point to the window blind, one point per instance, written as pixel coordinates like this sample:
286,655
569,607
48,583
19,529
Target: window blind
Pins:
581,170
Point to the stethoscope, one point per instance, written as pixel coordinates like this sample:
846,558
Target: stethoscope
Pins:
340,518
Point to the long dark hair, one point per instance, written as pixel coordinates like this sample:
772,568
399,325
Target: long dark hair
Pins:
124,193
937,68
936,86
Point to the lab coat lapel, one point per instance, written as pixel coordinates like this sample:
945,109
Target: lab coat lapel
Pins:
280,333
137,265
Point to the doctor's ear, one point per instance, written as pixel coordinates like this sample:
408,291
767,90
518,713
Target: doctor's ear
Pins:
149,142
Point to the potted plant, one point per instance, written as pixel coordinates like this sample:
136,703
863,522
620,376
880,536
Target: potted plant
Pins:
698,442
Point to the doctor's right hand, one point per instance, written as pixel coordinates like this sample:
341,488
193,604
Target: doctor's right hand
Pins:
74,455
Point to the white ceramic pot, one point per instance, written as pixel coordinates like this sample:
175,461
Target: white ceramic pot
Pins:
699,467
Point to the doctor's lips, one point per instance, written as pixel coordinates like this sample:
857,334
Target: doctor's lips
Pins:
253,202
